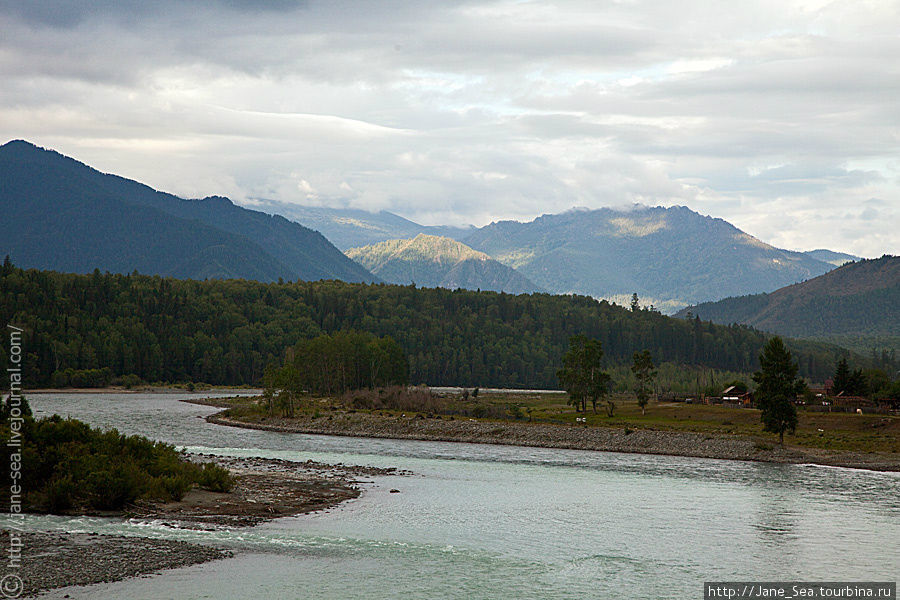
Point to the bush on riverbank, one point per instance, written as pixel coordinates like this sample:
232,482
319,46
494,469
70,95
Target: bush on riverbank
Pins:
68,466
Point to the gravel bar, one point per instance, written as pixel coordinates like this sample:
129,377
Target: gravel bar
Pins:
54,560
609,439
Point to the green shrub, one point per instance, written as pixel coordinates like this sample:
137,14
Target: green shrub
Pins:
128,381
215,479
60,495
171,487
115,487
69,466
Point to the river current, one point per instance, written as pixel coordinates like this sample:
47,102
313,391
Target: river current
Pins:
480,521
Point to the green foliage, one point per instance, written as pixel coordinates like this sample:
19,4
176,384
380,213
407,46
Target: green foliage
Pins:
226,332
82,378
333,364
215,478
581,376
873,383
131,380
740,386
847,382
67,465
398,398
644,373
777,388
14,406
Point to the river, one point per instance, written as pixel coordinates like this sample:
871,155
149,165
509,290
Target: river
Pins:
479,521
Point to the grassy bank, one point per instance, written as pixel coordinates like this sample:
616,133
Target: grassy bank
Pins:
829,432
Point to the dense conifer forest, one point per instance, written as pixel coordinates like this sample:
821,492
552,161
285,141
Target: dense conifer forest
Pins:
104,327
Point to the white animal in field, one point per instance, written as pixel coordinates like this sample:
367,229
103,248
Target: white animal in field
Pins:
859,411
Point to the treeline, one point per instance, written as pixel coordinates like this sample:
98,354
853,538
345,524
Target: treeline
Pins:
330,365
347,360
227,332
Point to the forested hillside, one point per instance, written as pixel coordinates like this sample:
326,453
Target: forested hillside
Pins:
226,332
860,299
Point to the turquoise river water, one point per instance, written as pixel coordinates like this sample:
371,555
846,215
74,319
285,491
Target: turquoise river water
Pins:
480,521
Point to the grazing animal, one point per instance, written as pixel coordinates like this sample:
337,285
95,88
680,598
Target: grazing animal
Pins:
859,411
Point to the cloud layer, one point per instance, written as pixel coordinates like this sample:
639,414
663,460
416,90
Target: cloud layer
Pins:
780,117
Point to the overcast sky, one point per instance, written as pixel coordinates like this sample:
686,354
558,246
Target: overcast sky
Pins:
781,117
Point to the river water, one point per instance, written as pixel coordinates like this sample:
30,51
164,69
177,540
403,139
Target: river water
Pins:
480,521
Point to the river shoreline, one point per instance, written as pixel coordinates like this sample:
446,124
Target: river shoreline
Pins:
605,439
265,489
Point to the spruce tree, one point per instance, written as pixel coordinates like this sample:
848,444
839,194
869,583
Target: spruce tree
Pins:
777,387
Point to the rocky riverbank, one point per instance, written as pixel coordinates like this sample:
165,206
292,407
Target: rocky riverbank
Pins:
54,560
644,441
265,489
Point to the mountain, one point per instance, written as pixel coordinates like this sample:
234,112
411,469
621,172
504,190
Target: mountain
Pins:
351,228
856,305
830,256
433,261
670,257
61,214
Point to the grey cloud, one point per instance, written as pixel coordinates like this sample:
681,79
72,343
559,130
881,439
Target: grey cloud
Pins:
474,111
63,14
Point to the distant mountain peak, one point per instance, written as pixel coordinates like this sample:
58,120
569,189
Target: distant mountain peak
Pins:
669,256
830,256
436,261
423,247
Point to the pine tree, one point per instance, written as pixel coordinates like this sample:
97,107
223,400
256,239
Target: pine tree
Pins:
841,376
777,387
644,372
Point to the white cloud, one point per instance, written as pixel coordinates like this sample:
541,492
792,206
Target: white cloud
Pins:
778,116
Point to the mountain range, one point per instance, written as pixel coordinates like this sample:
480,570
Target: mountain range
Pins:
857,305
61,214
353,228
830,256
434,261
670,257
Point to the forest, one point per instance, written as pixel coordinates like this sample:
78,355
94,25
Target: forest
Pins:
226,332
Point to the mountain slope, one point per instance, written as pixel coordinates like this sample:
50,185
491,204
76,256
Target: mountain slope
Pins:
432,261
668,256
830,256
857,299
66,224
124,225
352,228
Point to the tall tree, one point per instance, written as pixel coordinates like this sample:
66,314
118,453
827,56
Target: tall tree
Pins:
777,387
581,375
282,386
841,376
635,302
851,383
644,372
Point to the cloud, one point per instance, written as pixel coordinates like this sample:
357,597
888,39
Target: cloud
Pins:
778,116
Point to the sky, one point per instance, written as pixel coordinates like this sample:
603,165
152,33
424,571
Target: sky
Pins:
782,117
